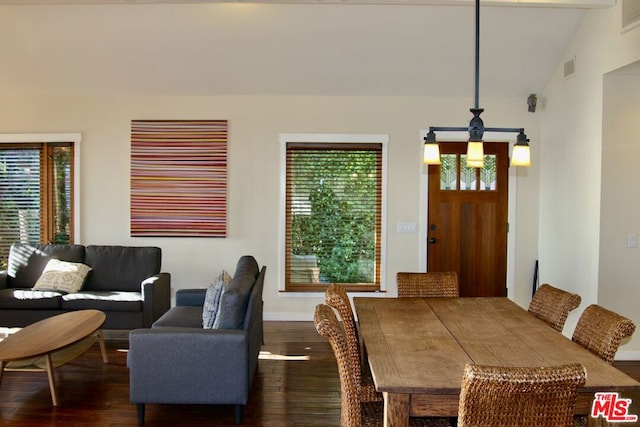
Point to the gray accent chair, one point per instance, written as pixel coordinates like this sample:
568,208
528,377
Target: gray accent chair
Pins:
177,361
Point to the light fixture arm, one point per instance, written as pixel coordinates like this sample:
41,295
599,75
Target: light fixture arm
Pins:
476,126
433,129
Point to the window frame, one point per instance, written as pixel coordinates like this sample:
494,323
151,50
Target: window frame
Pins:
347,139
52,138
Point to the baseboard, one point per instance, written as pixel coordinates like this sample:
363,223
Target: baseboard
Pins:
288,317
116,334
628,355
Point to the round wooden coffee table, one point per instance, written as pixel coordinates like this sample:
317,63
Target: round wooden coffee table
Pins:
52,342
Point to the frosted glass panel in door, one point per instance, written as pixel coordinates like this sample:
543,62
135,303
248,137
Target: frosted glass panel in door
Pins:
449,172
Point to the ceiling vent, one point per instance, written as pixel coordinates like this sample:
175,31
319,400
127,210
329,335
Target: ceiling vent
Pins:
630,14
569,68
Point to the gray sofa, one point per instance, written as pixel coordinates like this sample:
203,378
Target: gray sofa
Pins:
124,282
177,361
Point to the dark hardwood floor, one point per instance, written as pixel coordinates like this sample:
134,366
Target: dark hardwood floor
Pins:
296,385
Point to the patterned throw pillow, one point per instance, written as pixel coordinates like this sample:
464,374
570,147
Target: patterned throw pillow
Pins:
62,276
212,299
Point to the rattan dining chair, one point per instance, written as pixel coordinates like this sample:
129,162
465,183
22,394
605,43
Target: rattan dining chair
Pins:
353,412
600,331
552,305
336,297
493,396
426,285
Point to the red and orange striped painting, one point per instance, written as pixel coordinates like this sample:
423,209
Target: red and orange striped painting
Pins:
178,178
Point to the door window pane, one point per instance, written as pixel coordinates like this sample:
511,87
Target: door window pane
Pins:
468,175
449,172
488,173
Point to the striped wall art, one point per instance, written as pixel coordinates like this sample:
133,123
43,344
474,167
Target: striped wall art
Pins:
178,178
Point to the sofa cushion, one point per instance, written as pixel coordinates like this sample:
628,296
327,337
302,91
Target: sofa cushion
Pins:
23,299
193,297
233,302
26,262
105,301
62,276
247,264
186,316
120,268
235,297
212,299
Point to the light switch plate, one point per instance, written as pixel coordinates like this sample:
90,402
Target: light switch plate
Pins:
406,227
632,240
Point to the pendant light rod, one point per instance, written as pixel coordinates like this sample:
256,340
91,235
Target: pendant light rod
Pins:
477,90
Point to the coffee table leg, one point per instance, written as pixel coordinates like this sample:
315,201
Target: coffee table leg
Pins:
103,349
52,381
2,365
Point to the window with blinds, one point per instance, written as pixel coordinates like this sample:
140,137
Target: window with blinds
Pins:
333,215
35,194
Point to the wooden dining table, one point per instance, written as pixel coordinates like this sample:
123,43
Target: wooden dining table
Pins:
417,349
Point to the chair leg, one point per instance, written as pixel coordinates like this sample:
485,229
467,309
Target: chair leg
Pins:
239,409
140,409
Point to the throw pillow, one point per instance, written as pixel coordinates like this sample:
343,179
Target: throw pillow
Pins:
212,299
62,276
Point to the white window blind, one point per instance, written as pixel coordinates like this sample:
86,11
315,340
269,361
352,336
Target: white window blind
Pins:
333,215
20,197
36,194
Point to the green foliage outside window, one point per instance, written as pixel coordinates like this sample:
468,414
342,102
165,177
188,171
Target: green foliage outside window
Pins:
339,224
62,158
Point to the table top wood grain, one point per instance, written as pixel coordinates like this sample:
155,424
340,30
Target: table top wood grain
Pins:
419,346
51,334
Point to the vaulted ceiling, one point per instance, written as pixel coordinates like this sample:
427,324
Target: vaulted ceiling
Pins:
303,47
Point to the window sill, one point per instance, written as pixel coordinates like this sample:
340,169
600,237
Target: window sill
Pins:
298,294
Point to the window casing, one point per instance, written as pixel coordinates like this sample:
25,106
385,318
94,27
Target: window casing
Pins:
333,214
37,192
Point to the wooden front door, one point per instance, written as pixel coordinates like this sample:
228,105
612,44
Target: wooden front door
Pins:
468,219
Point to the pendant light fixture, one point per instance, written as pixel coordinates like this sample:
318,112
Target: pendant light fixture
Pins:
475,152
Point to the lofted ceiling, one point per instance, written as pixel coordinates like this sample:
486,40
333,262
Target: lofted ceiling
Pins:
300,47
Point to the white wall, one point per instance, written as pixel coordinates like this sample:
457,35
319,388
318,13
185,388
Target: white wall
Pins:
571,162
254,173
619,273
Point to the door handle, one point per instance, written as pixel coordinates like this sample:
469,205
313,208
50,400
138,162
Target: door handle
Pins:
432,240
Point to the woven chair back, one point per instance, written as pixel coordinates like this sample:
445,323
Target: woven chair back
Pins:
336,297
494,396
552,305
327,326
428,285
600,331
